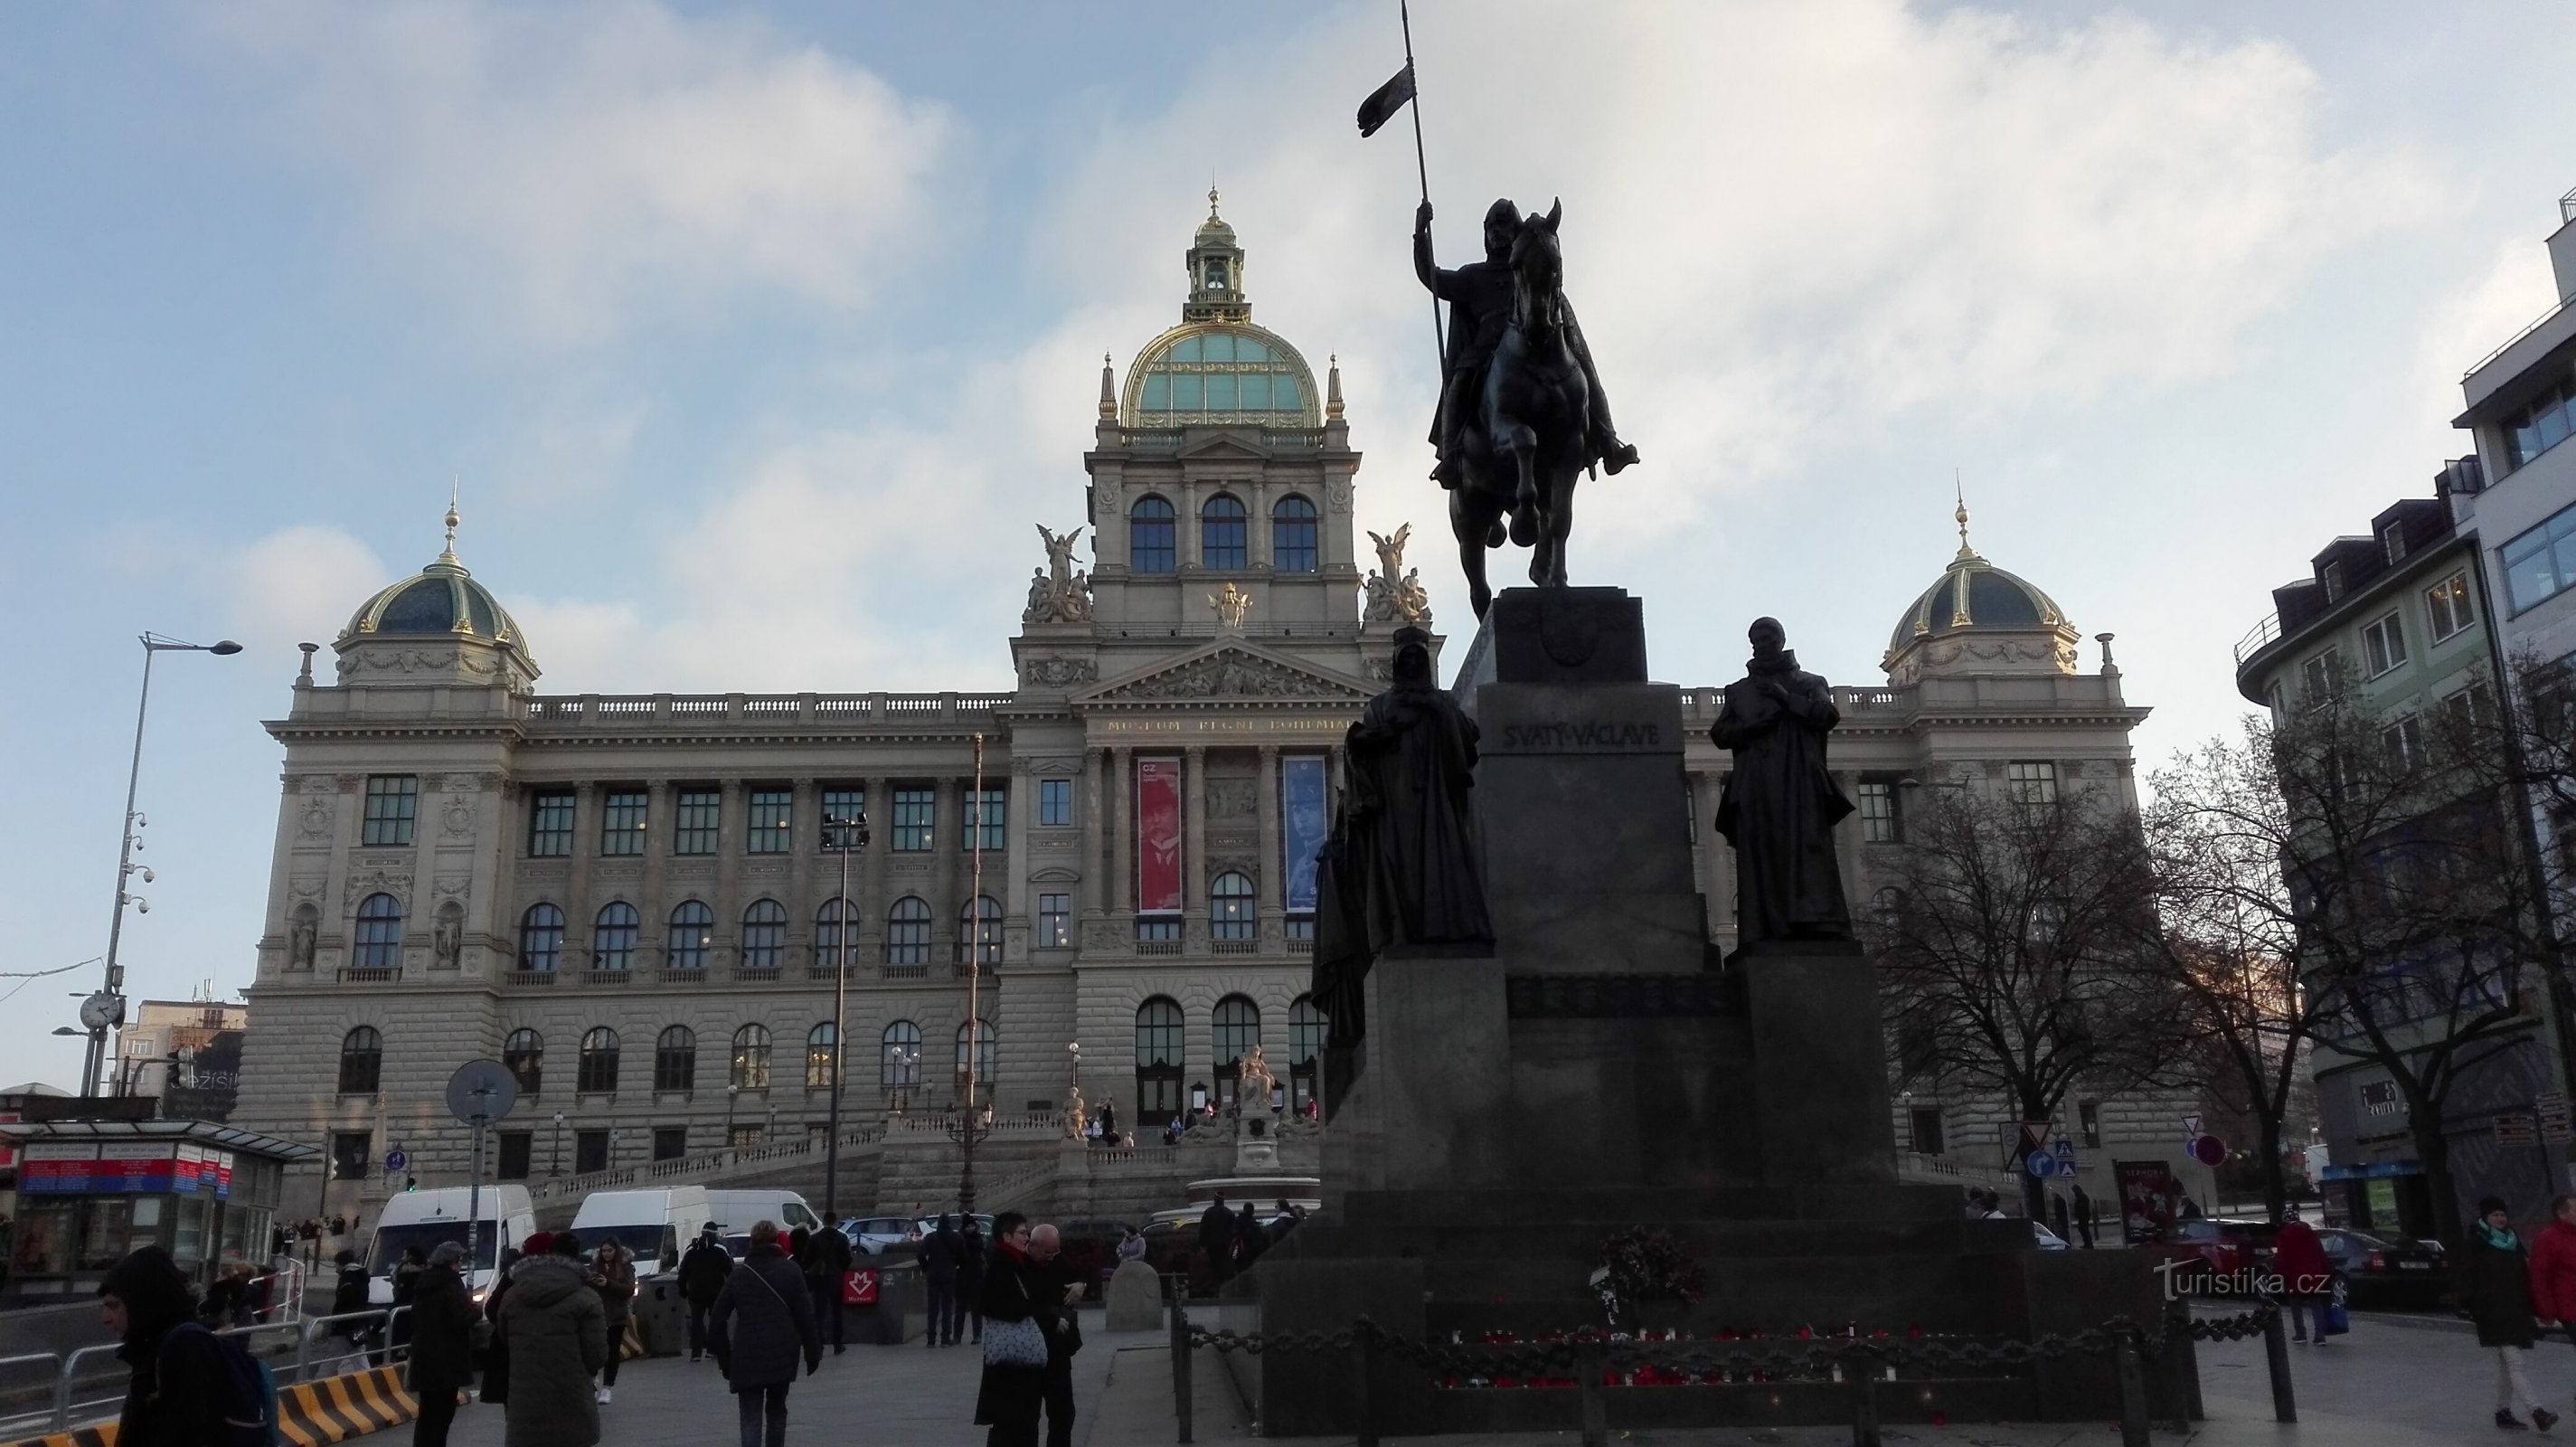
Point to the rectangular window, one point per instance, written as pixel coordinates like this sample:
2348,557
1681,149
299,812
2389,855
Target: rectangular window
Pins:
701,815
1158,931
590,1150
517,1146
393,800
353,1155
773,827
2031,781
2394,541
1055,921
916,819
2541,563
621,826
670,1142
1924,1130
845,803
2404,743
2383,644
1877,812
2321,676
550,825
2448,603
2332,576
1055,802
2542,423
983,818
2467,708
2088,1117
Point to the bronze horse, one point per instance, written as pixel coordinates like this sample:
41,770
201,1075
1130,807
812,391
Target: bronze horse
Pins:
1532,438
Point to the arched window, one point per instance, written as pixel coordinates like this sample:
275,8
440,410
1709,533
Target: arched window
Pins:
612,939
675,1059
693,936
1306,1031
1230,915
1150,536
975,1046
900,1058
764,935
380,921
751,1057
541,932
827,932
1158,1061
362,1061
525,1055
598,1061
908,932
1292,536
1234,1029
979,931
820,1045
1223,534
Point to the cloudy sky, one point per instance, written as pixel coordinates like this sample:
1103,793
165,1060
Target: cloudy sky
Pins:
757,336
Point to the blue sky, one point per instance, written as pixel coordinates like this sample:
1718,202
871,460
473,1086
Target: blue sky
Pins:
757,336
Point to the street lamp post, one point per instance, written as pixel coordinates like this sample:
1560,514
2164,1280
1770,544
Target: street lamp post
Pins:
906,1059
848,836
108,1006
733,1093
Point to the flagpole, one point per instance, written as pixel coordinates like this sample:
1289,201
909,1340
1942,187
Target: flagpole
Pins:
1422,169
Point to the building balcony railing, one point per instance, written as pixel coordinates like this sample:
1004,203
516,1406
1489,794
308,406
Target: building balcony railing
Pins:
608,977
592,710
1158,947
524,978
370,974
684,977
826,974
904,972
2264,635
755,974
1234,947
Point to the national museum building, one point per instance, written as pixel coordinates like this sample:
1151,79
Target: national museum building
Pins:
643,903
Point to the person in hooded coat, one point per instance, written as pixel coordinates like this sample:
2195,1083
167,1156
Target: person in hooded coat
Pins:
178,1390
442,1344
702,1275
762,1323
556,1333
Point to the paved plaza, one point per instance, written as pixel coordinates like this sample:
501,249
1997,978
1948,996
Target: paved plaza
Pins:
2394,1382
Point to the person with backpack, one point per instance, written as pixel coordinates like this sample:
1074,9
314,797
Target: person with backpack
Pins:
763,1321
188,1387
703,1269
442,1344
827,1265
557,1336
939,1255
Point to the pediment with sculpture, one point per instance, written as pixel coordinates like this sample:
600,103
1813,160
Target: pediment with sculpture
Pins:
1229,670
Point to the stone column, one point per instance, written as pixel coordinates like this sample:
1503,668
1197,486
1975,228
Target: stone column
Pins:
1194,905
1120,882
1270,874
1095,831
585,855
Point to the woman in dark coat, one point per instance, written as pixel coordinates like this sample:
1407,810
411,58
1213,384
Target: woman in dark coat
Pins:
557,1337
612,1275
2495,1284
442,1345
1011,1396
496,1353
762,1322
177,1394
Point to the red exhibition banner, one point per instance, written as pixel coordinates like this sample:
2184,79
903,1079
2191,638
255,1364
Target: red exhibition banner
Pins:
1158,836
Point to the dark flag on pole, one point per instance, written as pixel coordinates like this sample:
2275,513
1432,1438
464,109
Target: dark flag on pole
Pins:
1386,100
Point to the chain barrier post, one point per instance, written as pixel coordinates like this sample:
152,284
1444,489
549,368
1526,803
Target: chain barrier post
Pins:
1181,1354
1862,1368
1588,1367
2133,1393
2276,1355
1363,1337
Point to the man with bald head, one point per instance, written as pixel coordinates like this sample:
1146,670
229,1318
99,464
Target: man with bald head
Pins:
1051,1282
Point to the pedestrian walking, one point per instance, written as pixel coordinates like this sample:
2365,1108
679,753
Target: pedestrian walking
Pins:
762,1324
612,1275
939,1255
1216,1238
2553,1268
495,1355
827,1265
179,1391
2495,1285
2084,1216
349,1299
556,1333
1052,1282
703,1269
442,1344
1013,1390
2307,1279
227,1300
973,1261
406,1286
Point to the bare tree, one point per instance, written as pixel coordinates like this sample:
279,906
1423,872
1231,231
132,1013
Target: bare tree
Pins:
2011,950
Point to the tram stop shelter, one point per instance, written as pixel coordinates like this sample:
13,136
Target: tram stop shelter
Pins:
92,1191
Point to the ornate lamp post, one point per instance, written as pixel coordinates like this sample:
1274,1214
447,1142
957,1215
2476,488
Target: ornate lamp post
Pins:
848,836
107,1007
906,1060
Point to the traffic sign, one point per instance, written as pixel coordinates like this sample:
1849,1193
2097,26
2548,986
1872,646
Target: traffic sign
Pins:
2190,1127
482,1091
2209,1150
2066,1154
2040,1164
396,1160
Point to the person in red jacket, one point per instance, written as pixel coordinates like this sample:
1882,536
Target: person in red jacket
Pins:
2307,1278
2553,1267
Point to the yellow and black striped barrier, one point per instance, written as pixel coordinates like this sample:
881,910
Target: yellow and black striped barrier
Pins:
309,1414
103,1435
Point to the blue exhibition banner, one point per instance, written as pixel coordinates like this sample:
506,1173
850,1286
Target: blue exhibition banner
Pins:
1302,826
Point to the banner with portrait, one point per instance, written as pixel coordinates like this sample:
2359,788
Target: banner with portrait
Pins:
1158,836
1303,810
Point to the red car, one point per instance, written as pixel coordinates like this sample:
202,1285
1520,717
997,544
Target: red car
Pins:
2215,1257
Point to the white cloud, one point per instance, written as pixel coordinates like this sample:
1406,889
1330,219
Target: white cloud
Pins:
2473,320
560,169
298,585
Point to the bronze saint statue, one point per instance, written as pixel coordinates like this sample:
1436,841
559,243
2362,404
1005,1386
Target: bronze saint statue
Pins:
1780,805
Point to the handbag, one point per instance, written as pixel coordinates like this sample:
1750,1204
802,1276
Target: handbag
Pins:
2334,1320
1014,1343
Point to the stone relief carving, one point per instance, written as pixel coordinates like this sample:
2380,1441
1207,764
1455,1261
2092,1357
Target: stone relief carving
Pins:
1337,494
1381,670
1102,936
1057,592
415,660
317,819
459,816
2055,652
310,887
376,881
319,784
1234,675
455,887
1395,594
1059,672
1232,798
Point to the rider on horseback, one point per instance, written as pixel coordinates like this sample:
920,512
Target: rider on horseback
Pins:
1480,298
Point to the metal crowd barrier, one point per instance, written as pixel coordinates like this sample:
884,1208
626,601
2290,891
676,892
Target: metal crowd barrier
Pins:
369,1346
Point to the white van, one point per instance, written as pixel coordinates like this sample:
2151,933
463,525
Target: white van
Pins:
733,1211
656,1226
431,1219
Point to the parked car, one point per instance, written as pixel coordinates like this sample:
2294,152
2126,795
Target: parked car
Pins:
2380,1271
983,1223
876,1235
2206,1248
2043,1239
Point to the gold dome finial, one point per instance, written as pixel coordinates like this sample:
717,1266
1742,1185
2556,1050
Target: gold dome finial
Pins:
1966,553
447,554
